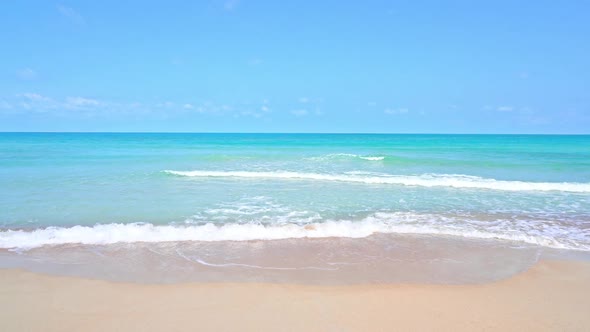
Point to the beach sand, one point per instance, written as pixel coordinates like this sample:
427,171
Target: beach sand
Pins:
552,295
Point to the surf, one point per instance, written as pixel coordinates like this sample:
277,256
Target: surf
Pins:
423,180
524,231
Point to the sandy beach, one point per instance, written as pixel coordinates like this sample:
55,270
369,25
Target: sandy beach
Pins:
551,296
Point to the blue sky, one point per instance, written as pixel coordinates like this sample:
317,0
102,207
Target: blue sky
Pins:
296,66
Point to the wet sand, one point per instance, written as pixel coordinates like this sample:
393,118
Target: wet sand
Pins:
551,296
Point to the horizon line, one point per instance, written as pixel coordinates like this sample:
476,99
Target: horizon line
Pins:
294,133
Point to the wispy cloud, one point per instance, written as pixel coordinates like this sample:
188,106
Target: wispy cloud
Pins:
34,97
393,111
209,107
71,14
263,110
525,115
309,106
26,74
300,112
310,100
505,108
252,114
32,102
80,102
166,104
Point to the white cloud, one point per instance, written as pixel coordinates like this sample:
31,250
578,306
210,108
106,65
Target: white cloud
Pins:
205,107
396,111
30,101
251,113
76,102
509,109
300,112
371,103
310,100
71,14
37,103
34,96
26,74
167,104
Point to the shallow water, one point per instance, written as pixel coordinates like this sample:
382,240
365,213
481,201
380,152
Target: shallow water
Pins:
379,258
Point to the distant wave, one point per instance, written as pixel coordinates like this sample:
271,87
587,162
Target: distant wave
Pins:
424,180
348,155
532,232
372,158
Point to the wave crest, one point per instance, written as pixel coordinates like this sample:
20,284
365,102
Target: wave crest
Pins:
424,180
347,155
532,232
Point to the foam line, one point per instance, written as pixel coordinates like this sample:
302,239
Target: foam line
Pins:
392,223
424,180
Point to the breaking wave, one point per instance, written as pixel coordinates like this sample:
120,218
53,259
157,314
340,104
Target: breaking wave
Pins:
424,180
541,233
337,156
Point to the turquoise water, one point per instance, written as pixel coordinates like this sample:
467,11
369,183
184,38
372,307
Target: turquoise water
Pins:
95,188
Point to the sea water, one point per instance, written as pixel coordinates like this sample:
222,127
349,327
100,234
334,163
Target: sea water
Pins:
196,205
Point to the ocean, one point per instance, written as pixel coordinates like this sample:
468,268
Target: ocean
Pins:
164,207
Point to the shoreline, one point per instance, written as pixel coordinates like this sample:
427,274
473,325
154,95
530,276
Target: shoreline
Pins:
551,295
379,258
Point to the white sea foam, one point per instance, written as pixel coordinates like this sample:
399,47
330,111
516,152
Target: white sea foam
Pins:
200,261
542,233
424,180
372,158
260,208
